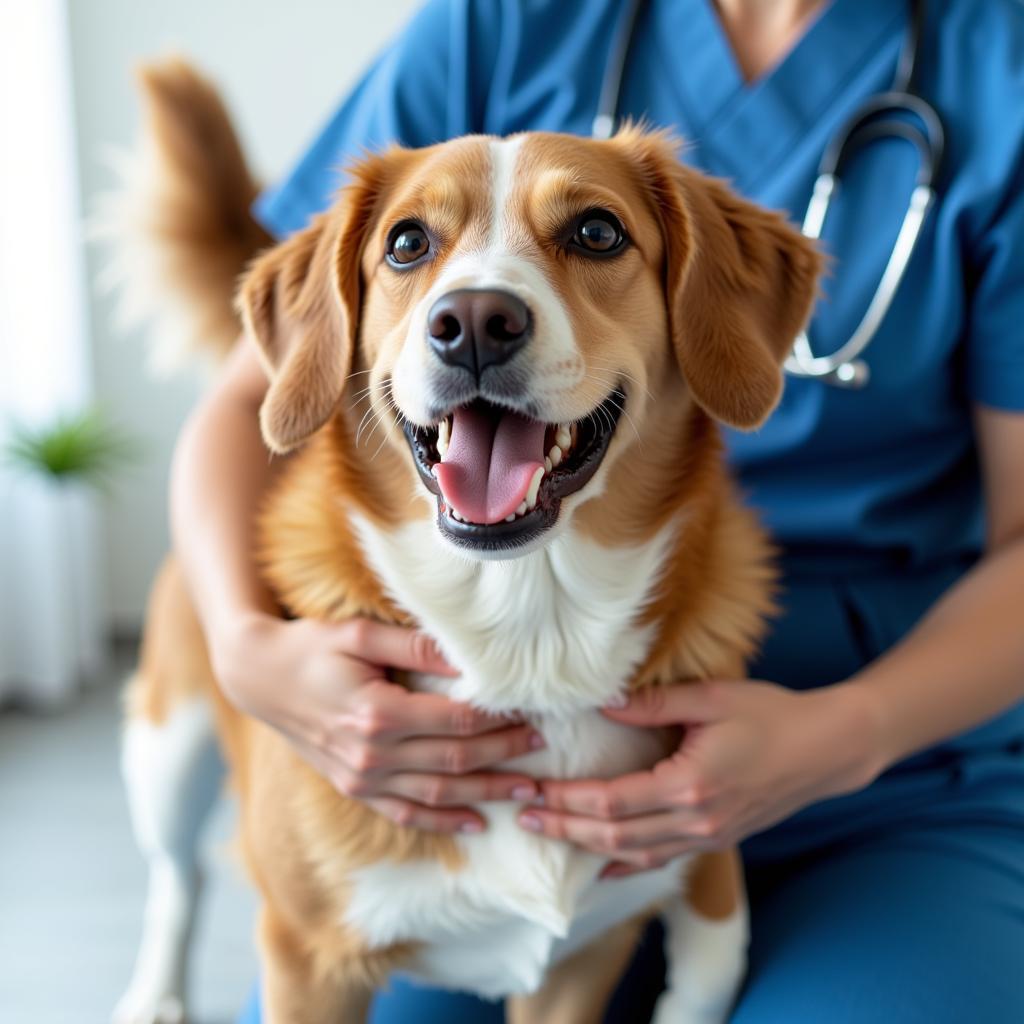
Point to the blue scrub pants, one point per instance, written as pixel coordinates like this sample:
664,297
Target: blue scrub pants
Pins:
901,904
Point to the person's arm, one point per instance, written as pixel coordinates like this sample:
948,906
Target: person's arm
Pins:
322,685
754,753
964,663
221,442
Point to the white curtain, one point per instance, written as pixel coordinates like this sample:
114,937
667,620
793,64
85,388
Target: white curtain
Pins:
50,593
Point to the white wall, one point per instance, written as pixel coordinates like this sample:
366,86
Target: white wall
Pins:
283,65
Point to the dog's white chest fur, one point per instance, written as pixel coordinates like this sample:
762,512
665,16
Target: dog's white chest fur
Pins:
519,902
554,634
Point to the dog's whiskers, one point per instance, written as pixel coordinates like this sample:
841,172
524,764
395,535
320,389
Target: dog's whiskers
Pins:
373,414
392,405
622,374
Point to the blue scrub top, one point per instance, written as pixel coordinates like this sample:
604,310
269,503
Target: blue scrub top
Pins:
875,493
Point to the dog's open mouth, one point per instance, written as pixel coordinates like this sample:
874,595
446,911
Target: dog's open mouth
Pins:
499,476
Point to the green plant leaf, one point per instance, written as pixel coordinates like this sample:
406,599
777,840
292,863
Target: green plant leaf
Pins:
84,446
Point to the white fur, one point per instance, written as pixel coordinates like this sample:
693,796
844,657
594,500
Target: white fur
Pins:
495,926
172,772
504,157
137,266
552,633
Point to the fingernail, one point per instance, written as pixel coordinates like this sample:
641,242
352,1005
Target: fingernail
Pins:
530,822
536,741
471,827
523,792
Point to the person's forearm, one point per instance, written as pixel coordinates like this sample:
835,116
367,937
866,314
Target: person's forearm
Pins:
963,664
220,472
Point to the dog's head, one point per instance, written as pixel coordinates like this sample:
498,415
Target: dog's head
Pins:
499,306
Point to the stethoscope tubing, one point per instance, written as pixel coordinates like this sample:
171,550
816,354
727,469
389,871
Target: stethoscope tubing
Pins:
899,113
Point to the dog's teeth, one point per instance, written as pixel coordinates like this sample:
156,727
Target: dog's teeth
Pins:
555,455
433,469
563,439
443,438
531,492
511,518
521,511
548,465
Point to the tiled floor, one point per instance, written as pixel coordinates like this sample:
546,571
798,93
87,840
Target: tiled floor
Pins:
71,881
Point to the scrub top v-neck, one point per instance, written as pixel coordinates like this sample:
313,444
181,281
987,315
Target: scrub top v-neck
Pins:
862,487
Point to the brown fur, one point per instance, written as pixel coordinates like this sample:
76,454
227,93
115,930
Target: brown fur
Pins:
714,884
712,289
180,225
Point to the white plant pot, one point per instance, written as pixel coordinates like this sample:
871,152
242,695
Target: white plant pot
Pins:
50,607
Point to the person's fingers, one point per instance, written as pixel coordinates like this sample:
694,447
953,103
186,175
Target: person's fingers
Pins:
386,711
457,756
621,839
624,797
679,704
393,646
456,791
430,819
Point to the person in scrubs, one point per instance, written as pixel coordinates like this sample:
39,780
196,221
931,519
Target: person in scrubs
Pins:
875,767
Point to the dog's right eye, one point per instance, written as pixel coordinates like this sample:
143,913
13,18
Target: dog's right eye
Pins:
408,243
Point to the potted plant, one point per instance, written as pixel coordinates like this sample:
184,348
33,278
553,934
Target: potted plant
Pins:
63,463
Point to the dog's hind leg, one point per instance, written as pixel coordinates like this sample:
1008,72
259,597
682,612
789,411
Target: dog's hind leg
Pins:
173,773
173,770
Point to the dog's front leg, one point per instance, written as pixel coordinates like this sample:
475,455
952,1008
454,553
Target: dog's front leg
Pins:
295,991
577,990
706,937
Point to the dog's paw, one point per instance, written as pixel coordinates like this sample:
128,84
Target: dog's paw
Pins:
138,1007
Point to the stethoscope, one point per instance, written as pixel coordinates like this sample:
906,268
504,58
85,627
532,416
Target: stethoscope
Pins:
899,113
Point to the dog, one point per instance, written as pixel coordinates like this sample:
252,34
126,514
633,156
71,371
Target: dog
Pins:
546,332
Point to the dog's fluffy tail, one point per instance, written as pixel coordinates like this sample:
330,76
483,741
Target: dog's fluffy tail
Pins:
179,226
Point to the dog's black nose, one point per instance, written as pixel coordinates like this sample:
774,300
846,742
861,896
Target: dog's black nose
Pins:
475,328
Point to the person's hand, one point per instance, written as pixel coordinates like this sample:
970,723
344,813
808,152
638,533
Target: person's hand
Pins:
417,758
752,754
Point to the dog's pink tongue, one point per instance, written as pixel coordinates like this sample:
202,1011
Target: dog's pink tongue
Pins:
490,462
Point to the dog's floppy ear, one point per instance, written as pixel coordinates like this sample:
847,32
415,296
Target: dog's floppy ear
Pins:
739,284
300,303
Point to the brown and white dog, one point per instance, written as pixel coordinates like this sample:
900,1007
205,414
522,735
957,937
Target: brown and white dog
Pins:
543,331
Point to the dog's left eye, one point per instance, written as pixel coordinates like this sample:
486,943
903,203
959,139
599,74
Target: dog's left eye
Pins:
599,232
408,243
